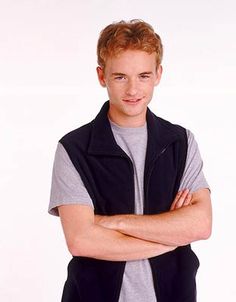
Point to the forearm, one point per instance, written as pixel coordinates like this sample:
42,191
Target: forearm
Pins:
102,243
180,226
171,228
87,239
105,244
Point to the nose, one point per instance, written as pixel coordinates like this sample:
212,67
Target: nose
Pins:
132,87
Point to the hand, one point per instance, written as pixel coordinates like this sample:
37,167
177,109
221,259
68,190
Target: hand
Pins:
182,199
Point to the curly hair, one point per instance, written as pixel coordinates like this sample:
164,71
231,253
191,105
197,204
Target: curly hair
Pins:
133,35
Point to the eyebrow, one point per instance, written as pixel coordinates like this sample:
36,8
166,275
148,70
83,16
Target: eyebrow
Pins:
146,72
123,74
118,74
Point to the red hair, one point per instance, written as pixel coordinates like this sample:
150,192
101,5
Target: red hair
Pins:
133,35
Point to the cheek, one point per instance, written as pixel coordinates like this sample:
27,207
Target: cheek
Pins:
150,88
112,93
114,89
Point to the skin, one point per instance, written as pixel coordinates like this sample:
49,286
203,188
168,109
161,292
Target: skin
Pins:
130,79
185,223
85,237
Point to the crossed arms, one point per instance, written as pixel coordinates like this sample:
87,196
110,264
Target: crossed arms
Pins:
135,237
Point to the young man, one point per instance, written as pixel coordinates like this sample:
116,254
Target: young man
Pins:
129,186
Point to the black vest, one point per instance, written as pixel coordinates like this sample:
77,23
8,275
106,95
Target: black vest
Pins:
107,173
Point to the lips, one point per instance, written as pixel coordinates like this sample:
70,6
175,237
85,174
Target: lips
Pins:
132,101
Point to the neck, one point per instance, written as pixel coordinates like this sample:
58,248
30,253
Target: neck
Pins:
129,121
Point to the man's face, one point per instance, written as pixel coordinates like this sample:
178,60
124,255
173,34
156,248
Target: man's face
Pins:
130,79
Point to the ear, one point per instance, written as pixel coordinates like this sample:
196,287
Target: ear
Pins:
101,76
158,75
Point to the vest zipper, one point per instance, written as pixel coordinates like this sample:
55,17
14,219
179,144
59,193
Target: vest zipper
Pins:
155,282
132,171
148,179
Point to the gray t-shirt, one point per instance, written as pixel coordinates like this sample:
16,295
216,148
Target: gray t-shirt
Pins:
68,188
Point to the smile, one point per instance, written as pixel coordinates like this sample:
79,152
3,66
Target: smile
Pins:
132,101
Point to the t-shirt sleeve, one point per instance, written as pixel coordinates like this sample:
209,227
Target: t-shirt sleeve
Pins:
193,176
67,186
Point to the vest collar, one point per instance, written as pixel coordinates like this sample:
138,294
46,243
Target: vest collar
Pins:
102,142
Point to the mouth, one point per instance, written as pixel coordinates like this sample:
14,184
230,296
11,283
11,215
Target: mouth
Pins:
132,101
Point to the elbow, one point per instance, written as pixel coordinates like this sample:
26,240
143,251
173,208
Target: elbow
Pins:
201,231
74,248
208,227
206,230
82,244
78,247
74,251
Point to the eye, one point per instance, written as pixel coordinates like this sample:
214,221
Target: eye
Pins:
119,78
144,76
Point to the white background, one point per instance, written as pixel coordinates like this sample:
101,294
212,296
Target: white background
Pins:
48,87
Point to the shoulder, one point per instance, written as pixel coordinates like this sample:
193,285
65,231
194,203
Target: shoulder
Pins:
191,137
193,147
178,129
78,137
170,129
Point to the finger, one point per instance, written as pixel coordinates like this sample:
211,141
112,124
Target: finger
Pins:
182,199
178,195
187,200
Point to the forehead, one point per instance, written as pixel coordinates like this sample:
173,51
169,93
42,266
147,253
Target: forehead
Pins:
128,60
